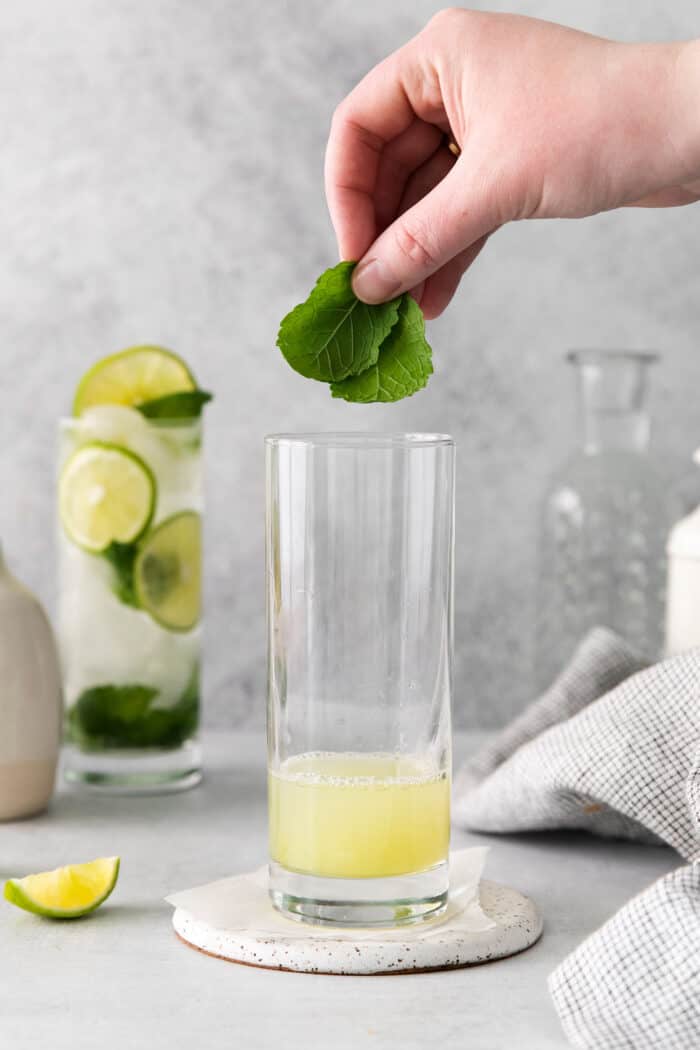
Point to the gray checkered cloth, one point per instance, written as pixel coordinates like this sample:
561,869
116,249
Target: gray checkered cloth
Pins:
613,749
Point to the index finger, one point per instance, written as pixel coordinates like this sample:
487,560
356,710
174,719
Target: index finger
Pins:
373,114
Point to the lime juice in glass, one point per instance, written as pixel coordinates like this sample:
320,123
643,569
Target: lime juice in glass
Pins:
359,612
130,525
358,816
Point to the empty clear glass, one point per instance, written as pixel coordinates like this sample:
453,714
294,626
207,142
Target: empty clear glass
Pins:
359,593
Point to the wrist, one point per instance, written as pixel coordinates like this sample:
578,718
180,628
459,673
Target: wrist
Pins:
652,99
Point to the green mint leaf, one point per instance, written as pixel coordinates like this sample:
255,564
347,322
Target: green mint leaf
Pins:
122,716
121,556
333,334
106,714
403,366
185,404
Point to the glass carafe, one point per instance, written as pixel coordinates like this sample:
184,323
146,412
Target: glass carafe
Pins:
604,519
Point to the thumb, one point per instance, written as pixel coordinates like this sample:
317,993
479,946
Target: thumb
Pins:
419,242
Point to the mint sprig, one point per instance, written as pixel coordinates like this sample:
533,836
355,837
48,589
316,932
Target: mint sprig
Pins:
403,366
124,716
333,334
367,353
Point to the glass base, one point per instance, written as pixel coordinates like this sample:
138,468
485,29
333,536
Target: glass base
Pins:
396,900
134,772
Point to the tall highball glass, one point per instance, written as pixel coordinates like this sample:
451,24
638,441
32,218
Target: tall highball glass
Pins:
359,597
129,612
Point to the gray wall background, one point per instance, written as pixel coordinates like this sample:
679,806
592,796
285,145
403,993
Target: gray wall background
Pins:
161,180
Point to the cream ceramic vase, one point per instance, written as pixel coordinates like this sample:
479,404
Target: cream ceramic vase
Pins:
30,701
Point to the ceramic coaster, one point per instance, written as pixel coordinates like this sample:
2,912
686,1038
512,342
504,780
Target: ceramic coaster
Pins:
512,924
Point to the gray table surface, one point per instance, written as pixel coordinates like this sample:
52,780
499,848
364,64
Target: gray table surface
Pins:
122,979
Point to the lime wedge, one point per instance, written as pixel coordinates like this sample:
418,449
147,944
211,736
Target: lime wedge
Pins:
65,893
168,572
105,494
132,377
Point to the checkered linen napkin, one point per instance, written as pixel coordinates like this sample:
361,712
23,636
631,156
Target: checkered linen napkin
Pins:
615,750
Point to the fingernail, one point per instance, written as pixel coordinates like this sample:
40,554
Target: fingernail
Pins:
373,281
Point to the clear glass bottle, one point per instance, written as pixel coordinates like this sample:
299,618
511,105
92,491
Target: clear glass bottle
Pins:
604,519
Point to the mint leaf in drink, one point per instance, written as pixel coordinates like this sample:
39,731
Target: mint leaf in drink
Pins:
121,556
403,366
123,716
105,716
185,404
333,334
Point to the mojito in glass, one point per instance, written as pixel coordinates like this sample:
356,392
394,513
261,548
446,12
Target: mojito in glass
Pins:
130,514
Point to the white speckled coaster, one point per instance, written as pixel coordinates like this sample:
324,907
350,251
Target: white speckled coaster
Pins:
512,923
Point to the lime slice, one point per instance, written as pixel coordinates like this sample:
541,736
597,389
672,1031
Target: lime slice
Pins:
168,572
65,893
132,377
106,493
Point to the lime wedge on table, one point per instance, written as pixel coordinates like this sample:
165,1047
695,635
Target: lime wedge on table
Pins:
133,377
65,893
106,493
167,573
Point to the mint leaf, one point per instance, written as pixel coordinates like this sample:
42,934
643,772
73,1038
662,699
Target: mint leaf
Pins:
106,715
185,404
123,716
367,353
333,334
403,366
121,556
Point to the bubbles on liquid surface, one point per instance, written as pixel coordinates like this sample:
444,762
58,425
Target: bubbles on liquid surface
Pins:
358,769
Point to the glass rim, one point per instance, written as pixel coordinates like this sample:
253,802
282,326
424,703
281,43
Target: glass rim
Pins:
593,355
361,439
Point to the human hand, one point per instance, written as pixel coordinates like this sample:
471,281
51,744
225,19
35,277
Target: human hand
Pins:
551,123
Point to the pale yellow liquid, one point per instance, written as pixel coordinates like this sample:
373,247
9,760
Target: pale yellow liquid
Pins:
358,816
